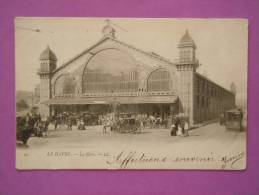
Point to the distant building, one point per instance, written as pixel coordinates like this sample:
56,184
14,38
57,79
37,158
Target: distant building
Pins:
112,72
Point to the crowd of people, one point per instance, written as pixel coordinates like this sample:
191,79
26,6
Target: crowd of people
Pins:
179,127
119,122
81,120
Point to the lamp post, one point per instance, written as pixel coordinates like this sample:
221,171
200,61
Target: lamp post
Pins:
188,103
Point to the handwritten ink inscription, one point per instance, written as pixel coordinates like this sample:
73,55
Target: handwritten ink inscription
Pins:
128,159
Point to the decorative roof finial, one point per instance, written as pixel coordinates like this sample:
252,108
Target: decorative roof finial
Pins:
108,30
108,22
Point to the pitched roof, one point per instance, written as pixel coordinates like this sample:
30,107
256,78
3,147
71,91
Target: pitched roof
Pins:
150,54
80,54
186,40
211,81
48,54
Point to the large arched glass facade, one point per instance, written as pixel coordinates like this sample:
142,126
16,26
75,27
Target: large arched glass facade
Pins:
110,70
159,80
65,84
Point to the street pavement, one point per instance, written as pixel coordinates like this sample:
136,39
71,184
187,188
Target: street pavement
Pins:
205,136
211,139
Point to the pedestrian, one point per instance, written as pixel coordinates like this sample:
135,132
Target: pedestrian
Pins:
182,125
82,125
104,125
69,124
158,122
173,130
56,123
186,129
178,127
47,124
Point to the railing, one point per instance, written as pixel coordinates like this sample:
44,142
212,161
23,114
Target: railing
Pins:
186,61
114,94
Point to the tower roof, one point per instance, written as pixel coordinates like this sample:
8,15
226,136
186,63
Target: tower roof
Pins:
187,41
48,54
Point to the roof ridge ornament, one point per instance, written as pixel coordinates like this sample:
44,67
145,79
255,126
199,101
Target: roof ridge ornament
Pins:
108,30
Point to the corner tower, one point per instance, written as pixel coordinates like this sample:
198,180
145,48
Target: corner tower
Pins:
187,49
186,66
48,63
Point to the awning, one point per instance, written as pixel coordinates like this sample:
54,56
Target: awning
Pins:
111,100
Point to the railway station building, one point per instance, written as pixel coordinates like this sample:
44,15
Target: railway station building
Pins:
112,74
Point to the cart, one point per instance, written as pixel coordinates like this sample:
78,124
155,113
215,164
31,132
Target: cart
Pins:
233,119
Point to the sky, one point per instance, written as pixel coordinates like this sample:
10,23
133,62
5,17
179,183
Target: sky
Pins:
221,44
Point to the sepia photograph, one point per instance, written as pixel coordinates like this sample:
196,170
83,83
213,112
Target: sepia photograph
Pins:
131,93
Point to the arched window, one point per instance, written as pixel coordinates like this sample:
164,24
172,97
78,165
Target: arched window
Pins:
159,80
110,70
65,84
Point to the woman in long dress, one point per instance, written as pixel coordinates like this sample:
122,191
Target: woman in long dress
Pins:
186,129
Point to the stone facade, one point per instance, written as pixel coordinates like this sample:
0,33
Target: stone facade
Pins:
65,85
48,63
210,99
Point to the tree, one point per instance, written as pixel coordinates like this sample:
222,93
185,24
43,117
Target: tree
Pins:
22,105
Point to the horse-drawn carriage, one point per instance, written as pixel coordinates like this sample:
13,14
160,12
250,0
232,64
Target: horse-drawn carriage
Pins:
23,129
40,128
30,125
126,125
91,118
234,119
86,119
